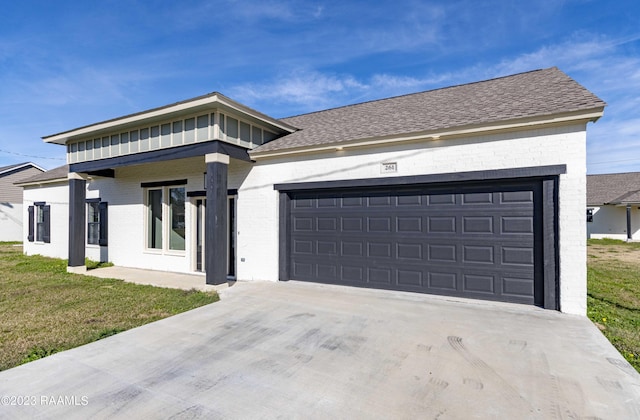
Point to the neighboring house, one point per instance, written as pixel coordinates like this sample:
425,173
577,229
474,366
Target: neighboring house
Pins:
476,191
613,206
11,199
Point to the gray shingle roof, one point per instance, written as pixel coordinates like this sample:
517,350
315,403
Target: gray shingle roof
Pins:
613,189
60,172
533,94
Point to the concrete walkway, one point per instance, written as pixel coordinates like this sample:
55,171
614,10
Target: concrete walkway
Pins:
295,350
157,278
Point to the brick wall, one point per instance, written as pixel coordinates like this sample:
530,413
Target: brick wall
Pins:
55,195
258,202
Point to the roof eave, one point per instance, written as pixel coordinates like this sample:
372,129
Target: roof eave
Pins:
38,183
582,116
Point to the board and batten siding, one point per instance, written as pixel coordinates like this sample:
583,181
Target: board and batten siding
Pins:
257,221
178,132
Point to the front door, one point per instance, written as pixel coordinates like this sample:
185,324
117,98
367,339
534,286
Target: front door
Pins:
199,236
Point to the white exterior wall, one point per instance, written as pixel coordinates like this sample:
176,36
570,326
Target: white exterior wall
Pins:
55,195
611,222
11,222
257,224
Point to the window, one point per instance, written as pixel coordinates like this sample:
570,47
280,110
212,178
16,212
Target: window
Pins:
589,215
154,217
39,223
166,218
97,222
176,218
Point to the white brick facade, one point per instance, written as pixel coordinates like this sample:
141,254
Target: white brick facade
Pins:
55,195
258,236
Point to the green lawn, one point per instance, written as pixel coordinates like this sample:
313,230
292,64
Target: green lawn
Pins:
613,297
44,309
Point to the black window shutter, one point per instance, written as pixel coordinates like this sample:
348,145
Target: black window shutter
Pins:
31,224
104,224
46,216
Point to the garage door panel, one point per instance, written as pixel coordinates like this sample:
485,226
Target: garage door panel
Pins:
410,201
352,224
516,197
409,251
409,224
303,224
410,278
471,241
478,254
477,224
437,200
515,286
441,224
301,246
443,281
517,225
479,283
518,256
476,198
379,224
442,253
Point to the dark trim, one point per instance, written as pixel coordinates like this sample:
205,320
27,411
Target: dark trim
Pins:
105,173
203,193
162,155
92,200
629,236
104,223
284,234
46,222
216,224
163,183
535,171
39,203
550,247
77,221
30,233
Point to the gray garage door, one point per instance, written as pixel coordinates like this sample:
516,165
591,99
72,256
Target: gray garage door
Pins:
472,240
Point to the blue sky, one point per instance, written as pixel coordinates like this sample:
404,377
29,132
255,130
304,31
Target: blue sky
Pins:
66,64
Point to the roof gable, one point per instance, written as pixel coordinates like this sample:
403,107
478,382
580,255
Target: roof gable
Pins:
535,94
10,169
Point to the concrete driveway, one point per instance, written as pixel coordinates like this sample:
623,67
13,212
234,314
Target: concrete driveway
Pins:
293,350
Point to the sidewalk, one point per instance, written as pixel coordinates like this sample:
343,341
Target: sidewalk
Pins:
157,278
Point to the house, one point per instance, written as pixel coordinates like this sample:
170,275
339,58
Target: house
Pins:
475,191
613,206
11,199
